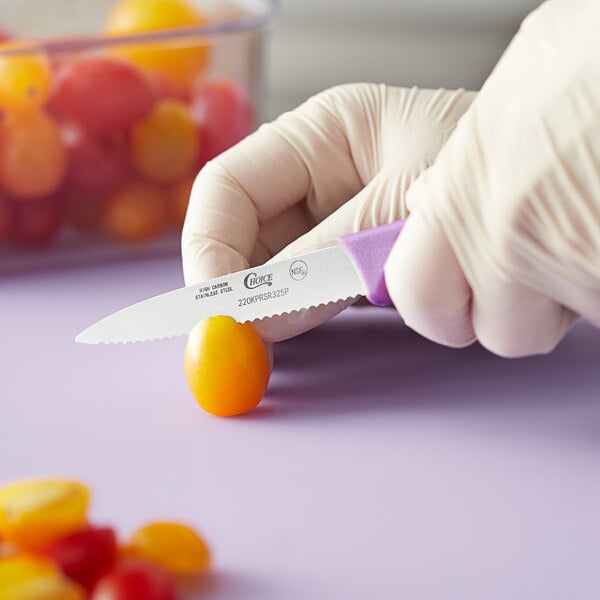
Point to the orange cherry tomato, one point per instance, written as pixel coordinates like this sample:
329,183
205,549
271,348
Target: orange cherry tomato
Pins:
35,513
33,159
31,578
226,366
164,146
25,79
181,60
179,196
136,212
175,547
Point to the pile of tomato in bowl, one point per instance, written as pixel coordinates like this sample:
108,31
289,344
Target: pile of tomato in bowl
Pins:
101,135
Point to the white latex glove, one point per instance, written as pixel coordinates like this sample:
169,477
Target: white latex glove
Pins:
341,162
503,241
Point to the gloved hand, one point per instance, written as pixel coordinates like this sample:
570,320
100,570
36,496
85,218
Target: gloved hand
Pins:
503,241
341,162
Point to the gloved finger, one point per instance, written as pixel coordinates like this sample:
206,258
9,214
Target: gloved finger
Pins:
427,285
432,293
512,321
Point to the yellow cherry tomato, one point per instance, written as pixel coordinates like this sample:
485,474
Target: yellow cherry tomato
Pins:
226,366
25,79
183,59
32,578
175,547
164,145
35,513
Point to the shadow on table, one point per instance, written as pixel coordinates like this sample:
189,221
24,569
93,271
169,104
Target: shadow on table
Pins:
216,584
366,360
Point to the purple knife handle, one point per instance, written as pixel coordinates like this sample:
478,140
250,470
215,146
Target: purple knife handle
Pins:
368,250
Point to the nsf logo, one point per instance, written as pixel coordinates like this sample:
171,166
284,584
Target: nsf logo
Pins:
298,270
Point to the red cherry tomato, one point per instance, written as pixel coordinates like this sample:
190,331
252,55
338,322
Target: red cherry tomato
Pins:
103,93
135,579
223,111
85,556
97,164
36,222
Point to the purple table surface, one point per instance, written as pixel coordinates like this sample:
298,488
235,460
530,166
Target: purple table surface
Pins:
378,466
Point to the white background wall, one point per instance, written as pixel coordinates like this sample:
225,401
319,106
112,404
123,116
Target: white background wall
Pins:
429,43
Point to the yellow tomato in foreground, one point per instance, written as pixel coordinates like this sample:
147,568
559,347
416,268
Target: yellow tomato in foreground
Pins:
175,547
32,578
35,513
226,366
182,59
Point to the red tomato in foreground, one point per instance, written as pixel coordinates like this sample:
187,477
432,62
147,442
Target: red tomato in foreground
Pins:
97,164
103,93
135,579
85,556
36,222
223,112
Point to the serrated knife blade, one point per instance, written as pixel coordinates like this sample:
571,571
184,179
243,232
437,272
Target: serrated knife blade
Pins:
329,275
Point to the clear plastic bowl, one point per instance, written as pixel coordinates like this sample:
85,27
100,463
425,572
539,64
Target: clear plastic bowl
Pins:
103,127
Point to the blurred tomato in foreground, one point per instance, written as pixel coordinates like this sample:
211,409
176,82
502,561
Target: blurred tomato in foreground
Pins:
86,555
36,513
135,579
32,578
103,93
98,164
33,160
37,222
136,212
175,547
223,112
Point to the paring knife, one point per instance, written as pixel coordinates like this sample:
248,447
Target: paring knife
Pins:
350,269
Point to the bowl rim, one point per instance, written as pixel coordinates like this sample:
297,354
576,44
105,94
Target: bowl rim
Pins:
209,32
